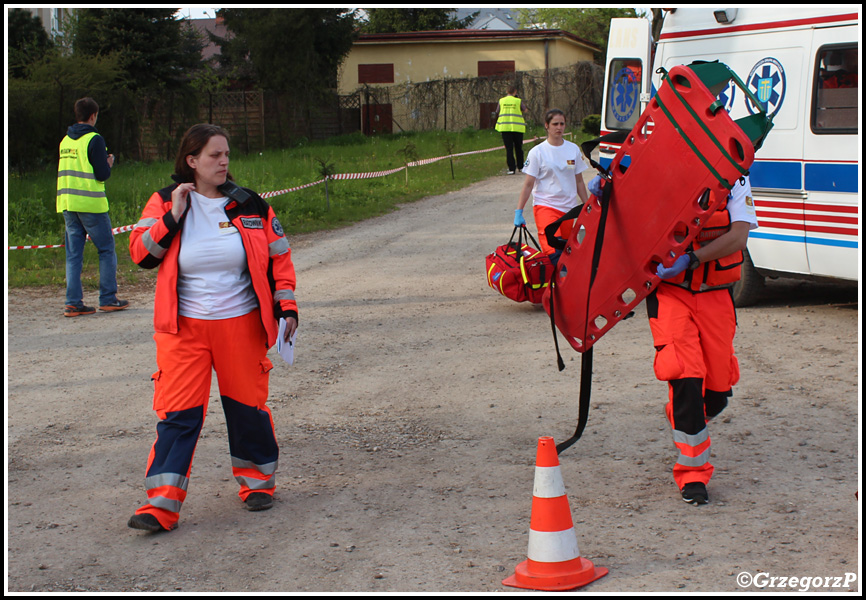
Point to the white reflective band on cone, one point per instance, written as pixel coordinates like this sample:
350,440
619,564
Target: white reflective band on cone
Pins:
552,546
548,483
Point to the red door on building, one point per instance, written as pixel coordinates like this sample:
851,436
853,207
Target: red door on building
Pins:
377,119
488,109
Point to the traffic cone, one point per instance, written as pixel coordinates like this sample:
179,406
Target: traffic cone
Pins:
554,562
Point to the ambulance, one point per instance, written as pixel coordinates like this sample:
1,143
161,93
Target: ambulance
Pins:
802,64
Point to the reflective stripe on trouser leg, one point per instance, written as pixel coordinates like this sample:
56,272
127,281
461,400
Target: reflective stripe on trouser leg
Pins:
242,369
253,446
170,463
693,335
691,436
180,398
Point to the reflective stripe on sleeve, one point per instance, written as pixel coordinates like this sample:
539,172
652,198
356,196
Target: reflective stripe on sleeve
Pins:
146,222
278,246
155,249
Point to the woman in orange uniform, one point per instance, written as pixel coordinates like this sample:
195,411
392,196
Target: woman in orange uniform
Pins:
225,279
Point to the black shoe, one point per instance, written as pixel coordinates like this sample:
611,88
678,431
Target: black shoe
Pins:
71,310
695,493
259,501
116,305
146,522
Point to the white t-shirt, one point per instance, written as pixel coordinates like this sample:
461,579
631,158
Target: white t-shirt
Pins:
213,277
740,204
554,169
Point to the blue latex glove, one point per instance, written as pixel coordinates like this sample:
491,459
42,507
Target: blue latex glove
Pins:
519,221
594,186
680,265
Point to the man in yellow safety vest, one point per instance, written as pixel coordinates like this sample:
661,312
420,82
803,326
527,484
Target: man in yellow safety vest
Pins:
83,168
511,124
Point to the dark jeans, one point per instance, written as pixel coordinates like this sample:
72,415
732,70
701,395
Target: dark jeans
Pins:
513,141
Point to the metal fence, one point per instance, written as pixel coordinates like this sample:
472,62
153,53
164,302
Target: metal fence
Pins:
455,104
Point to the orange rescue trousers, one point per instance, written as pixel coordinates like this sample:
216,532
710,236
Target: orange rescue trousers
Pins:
693,336
544,216
236,349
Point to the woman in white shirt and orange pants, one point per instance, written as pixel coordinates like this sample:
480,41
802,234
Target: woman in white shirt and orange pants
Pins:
553,177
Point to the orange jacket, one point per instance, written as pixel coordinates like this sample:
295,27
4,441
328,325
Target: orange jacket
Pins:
719,273
154,242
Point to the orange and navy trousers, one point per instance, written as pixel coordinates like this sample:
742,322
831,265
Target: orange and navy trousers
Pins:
693,334
236,349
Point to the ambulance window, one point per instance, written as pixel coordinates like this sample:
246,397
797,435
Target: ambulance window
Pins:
623,93
835,107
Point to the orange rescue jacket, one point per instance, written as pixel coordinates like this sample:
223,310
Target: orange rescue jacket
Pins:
154,242
714,274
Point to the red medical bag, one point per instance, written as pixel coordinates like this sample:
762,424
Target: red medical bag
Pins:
517,270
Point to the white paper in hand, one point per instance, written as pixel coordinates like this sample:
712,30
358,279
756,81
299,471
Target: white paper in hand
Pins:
286,349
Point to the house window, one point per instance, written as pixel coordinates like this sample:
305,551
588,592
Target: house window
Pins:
492,68
381,73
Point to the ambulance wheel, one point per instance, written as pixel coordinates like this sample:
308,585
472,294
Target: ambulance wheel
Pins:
748,290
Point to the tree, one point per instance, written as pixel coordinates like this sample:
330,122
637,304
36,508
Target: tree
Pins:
658,16
395,20
155,50
26,39
590,24
287,50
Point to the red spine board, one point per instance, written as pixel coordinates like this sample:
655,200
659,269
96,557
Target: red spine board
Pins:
657,195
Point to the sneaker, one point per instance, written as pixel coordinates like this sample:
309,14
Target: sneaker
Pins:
695,493
73,311
259,501
146,522
511,172
116,305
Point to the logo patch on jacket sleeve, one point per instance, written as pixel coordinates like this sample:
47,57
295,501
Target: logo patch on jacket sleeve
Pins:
252,222
278,229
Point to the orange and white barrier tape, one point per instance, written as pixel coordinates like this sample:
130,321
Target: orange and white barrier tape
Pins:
294,189
367,175
33,247
114,231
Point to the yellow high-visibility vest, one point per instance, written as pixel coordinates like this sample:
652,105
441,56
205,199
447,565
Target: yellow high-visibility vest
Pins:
510,115
78,190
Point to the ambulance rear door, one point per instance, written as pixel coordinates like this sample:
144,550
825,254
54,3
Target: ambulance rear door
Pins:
628,74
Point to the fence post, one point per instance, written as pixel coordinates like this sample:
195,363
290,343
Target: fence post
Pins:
445,102
262,116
